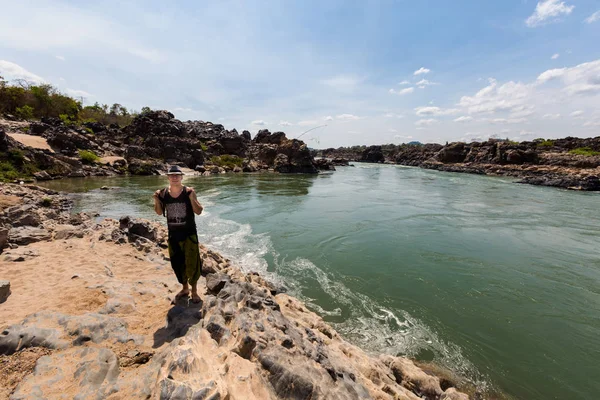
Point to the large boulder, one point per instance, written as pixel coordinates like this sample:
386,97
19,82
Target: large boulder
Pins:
453,153
266,137
372,154
68,142
234,144
155,123
521,157
38,128
96,127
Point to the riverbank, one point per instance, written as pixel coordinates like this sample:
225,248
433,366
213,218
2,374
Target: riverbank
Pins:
570,163
88,307
52,149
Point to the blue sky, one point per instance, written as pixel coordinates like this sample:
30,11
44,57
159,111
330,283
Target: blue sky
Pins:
374,72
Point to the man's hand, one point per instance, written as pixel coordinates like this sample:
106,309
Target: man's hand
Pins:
157,194
192,192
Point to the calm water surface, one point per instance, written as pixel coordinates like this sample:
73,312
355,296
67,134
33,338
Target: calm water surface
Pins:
497,281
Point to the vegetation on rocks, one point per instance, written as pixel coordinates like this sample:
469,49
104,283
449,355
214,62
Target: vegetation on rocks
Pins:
585,151
14,165
227,161
88,157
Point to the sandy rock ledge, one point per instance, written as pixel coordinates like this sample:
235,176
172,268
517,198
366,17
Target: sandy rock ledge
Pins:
90,317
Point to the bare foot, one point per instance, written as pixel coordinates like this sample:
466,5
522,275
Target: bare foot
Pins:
183,293
196,298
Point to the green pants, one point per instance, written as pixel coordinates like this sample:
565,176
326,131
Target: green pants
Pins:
185,257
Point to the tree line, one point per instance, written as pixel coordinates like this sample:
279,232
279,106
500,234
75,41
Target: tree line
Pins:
34,101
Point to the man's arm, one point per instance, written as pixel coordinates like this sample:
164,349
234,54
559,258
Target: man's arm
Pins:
157,203
196,206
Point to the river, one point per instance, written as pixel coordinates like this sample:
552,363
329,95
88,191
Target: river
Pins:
497,281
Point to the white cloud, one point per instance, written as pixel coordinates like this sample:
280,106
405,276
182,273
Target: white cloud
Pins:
555,56
593,18
11,71
328,118
547,10
51,26
426,122
61,58
78,93
464,119
424,82
576,114
402,137
403,83
258,122
522,111
551,116
285,123
347,117
434,111
511,96
403,91
592,123
580,79
421,71
342,82
506,120
393,131
392,115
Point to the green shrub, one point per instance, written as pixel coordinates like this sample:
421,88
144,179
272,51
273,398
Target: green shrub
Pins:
67,120
88,130
203,146
46,202
545,143
25,112
88,157
28,169
584,151
8,172
16,157
227,161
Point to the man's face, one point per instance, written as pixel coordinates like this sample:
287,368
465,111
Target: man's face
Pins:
175,178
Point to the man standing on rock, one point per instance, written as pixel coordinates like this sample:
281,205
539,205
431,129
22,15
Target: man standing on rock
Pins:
180,203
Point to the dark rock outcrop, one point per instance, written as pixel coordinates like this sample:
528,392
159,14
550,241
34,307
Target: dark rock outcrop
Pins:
372,154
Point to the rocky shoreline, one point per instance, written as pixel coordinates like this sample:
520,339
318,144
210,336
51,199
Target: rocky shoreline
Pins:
85,318
569,163
50,149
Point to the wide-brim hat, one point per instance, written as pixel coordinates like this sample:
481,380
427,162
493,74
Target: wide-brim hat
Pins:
174,170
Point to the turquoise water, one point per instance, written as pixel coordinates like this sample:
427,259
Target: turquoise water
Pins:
497,281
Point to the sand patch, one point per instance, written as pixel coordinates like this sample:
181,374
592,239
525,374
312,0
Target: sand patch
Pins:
36,142
79,276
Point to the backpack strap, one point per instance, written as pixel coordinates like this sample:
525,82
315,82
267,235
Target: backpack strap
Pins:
161,198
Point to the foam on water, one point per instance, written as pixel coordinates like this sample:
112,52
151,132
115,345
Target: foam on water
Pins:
369,325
